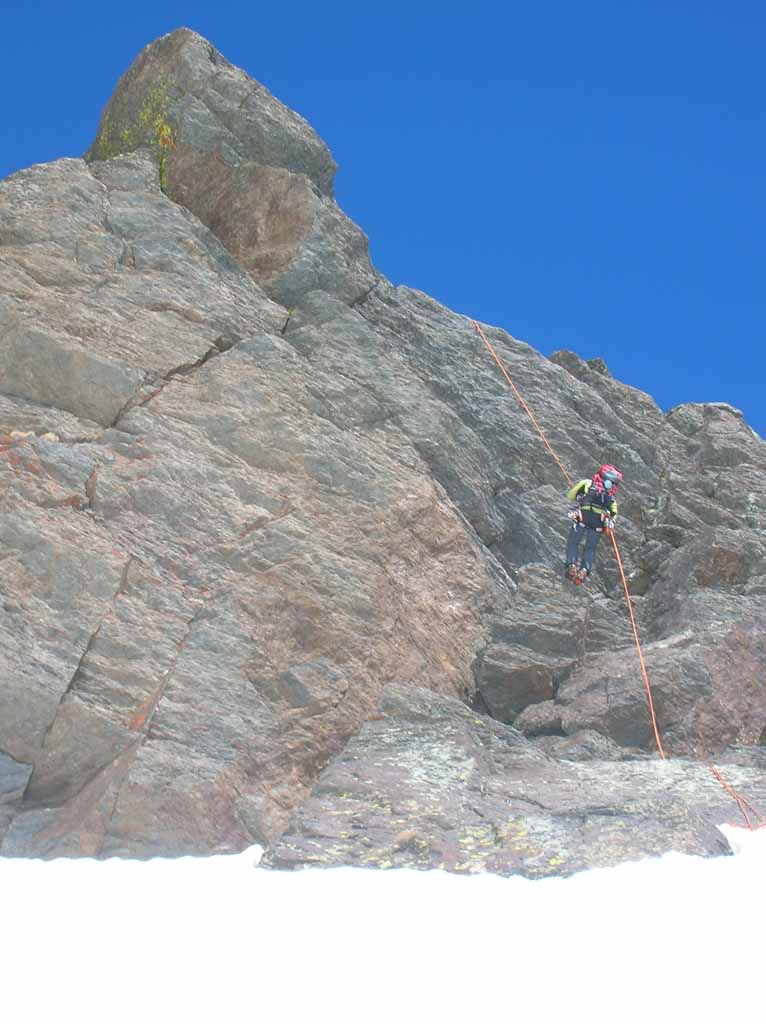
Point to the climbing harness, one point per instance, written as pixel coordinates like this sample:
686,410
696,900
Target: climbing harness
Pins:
741,802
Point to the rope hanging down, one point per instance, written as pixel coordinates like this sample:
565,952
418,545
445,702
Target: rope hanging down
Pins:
524,405
638,646
741,802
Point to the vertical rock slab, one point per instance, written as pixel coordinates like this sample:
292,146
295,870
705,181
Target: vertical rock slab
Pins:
534,647
13,779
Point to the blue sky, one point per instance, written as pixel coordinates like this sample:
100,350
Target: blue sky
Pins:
588,176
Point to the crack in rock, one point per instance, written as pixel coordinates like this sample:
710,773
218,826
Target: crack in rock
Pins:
88,647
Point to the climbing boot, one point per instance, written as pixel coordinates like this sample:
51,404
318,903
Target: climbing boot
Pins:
571,571
580,577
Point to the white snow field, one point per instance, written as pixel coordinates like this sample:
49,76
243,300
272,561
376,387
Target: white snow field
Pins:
216,940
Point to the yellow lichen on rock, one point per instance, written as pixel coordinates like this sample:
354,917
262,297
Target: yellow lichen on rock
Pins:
150,128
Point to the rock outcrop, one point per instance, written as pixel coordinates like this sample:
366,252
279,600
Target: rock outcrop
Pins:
250,169
432,785
249,490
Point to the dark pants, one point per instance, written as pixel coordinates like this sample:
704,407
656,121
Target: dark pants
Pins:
576,534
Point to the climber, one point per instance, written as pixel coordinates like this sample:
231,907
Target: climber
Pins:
594,511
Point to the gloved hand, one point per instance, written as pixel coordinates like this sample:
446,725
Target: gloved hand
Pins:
609,523
575,515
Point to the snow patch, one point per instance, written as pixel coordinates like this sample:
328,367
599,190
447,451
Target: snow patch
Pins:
221,939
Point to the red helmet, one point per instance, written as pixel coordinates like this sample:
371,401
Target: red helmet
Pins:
609,475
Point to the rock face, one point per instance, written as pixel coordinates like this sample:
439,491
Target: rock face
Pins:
207,581
109,289
248,490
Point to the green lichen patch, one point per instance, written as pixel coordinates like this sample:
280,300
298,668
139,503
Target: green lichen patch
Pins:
132,120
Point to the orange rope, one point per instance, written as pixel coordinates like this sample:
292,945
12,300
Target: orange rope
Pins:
638,645
523,403
741,802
